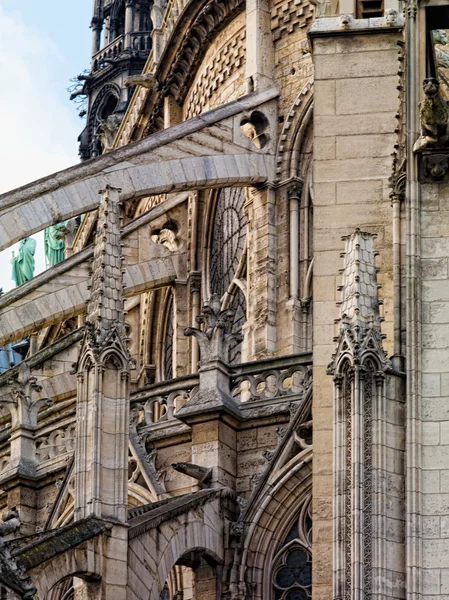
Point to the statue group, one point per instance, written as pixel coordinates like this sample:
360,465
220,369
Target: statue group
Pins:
23,264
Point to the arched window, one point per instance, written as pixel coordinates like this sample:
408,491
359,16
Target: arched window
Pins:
167,349
238,305
227,257
145,18
292,574
227,239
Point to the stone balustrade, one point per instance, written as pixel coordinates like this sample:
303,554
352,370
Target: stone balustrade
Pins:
269,381
111,51
142,41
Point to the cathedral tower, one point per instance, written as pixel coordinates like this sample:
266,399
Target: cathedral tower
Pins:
121,43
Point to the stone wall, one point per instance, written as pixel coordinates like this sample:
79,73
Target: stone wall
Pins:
220,78
435,386
356,99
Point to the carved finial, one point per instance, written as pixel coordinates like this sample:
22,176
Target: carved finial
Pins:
360,302
215,339
23,408
214,391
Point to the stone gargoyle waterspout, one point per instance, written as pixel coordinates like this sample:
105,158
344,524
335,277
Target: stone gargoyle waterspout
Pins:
434,117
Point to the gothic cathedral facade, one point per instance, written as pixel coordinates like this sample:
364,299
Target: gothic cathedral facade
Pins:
234,383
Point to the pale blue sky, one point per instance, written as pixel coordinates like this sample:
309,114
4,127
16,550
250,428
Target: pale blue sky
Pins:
43,43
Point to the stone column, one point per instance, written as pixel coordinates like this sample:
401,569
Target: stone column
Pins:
172,112
23,405
129,22
103,370
260,47
97,26
212,412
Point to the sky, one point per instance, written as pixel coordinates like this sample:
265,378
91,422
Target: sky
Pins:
43,44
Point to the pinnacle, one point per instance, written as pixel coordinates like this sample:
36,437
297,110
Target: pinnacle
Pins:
359,303
105,306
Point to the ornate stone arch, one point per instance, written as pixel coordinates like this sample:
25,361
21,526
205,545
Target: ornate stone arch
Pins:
74,562
269,524
110,90
295,137
199,528
276,502
191,37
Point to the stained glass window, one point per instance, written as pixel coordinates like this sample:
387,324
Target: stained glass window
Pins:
239,307
292,577
227,240
168,345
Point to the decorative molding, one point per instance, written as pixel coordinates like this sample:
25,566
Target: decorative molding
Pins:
229,59
213,17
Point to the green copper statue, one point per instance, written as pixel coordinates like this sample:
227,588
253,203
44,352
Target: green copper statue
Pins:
23,263
54,244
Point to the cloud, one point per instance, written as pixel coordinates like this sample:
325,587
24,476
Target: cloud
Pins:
39,130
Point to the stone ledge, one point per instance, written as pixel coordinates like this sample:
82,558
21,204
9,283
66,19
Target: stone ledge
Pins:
331,26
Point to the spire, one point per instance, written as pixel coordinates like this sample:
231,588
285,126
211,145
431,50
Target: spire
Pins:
105,307
360,320
360,301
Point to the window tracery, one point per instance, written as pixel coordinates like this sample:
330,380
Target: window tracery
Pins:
292,576
227,259
168,344
238,305
227,239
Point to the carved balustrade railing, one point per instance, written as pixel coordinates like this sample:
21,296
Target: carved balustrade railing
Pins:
112,50
160,401
56,442
266,386
272,379
141,40
268,381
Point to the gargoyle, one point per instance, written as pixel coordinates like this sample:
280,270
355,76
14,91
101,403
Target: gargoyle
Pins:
391,17
146,80
202,474
346,21
107,130
434,116
11,522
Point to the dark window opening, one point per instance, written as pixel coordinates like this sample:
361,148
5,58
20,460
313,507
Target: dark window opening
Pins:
108,107
370,9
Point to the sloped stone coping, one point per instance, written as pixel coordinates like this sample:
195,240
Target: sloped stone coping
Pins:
38,548
154,514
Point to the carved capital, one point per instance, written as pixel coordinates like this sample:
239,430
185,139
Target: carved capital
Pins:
195,282
294,191
338,381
